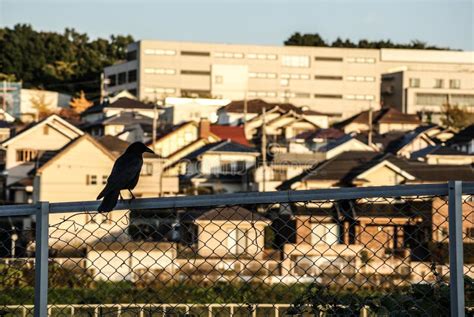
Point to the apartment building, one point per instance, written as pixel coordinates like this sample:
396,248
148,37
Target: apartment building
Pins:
424,90
333,80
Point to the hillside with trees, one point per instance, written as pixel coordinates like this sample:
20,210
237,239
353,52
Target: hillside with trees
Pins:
67,62
314,39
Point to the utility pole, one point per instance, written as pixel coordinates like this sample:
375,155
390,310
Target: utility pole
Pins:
4,96
264,148
245,112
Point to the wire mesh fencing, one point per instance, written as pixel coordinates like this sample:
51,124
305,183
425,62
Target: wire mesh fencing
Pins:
356,256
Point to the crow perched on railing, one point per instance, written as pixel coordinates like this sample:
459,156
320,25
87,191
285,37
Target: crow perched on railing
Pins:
124,175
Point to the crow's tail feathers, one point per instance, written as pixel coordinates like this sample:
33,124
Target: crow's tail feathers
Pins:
109,202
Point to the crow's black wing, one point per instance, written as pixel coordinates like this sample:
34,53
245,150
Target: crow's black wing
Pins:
125,171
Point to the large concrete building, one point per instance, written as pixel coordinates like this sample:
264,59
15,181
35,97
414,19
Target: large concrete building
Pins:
334,80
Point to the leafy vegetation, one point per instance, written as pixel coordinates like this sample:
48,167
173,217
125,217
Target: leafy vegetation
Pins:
67,62
456,117
314,39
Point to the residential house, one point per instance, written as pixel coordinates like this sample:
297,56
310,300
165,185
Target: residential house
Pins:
464,140
24,148
346,143
113,107
230,243
28,109
311,141
409,143
218,167
374,169
384,120
439,154
178,110
129,126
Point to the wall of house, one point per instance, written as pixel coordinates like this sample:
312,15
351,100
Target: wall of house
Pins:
415,145
41,139
352,145
176,140
451,160
387,127
213,238
211,162
383,176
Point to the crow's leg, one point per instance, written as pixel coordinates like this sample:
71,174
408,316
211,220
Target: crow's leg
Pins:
133,196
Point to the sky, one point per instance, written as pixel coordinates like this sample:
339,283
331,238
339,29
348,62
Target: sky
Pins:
447,23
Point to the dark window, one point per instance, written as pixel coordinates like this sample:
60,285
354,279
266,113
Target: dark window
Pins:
328,59
328,96
194,53
104,179
133,92
328,77
122,78
132,76
26,155
131,56
91,179
195,72
112,80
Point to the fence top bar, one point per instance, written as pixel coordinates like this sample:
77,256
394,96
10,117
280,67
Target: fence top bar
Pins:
259,197
18,210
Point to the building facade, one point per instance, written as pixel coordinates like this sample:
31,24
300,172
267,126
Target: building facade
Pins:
334,80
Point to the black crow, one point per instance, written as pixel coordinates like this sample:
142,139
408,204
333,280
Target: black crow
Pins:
124,175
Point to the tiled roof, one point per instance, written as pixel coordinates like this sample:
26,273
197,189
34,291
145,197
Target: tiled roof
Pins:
436,150
465,135
236,213
257,105
233,133
221,146
118,146
384,115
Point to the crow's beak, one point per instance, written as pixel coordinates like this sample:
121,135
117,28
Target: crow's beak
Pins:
149,150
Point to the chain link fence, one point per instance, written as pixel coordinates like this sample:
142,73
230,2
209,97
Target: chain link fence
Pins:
340,252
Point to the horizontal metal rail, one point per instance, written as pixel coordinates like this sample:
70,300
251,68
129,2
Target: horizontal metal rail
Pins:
246,198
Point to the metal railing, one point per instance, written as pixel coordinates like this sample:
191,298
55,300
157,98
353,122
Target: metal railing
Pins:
338,261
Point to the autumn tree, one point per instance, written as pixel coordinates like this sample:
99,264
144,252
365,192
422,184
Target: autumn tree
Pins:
456,117
80,103
41,105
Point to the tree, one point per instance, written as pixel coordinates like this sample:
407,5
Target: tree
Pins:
80,103
306,40
41,105
456,117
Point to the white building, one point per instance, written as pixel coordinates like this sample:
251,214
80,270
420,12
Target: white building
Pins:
179,110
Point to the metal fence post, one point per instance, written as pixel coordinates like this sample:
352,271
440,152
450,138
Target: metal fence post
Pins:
456,259
41,260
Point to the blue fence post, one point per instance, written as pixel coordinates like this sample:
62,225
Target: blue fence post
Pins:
456,258
41,260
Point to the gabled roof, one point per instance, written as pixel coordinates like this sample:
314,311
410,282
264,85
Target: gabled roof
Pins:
463,136
384,115
325,134
396,145
167,131
257,106
233,133
334,169
341,141
121,103
236,213
41,123
118,146
49,157
436,150
221,146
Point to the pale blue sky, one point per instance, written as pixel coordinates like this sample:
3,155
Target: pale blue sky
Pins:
440,22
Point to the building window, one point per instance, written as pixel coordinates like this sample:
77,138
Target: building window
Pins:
147,169
131,56
328,96
295,76
439,83
122,78
160,71
263,75
26,155
462,100
195,53
195,72
360,97
104,179
262,94
159,52
360,78
289,94
295,61
261,56
91,179
195,93
361,60
112,80
431,99
328,59
218,79
160,90
414,82
46,130
324,77
454,84
228,55
132,76
237,241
